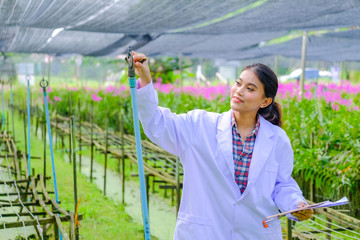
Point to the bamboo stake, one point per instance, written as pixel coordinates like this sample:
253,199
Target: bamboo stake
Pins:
177,185
122,156
12,111
80,143
70,112
106,150
92,142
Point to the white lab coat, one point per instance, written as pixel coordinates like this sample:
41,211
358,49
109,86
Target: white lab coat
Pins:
212,207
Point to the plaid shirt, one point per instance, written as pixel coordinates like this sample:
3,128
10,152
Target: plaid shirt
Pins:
242,153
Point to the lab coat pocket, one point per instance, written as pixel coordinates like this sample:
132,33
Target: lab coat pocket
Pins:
190,227
269,179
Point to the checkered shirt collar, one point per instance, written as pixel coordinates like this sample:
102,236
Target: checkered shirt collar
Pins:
254,131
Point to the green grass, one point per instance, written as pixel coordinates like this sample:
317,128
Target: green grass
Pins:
102,218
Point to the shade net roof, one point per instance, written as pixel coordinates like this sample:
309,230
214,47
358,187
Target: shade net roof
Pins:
339,46
233,29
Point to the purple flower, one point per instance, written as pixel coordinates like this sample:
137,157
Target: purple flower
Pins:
57,99
110,89
71,89
96,98
87,88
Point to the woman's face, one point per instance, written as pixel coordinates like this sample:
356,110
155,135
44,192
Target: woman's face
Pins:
247,94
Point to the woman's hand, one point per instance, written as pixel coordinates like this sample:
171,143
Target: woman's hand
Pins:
142,68
303,214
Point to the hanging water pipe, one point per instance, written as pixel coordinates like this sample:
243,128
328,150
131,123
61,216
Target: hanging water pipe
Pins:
44,84
132,82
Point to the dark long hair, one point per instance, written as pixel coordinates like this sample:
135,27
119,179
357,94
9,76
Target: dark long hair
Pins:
269,80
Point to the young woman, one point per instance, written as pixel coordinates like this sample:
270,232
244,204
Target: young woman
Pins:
237,164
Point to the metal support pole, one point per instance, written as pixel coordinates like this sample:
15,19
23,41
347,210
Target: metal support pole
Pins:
276,65
49,68
303,63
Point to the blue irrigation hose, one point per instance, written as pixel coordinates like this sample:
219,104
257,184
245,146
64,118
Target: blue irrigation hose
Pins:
28,115
44,84
132,82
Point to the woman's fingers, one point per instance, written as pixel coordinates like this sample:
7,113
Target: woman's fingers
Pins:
303,214
142,68
139,57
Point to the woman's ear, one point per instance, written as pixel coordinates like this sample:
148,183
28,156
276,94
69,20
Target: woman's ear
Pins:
267,102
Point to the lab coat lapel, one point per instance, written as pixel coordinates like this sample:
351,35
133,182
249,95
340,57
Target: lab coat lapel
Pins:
262,149
224,138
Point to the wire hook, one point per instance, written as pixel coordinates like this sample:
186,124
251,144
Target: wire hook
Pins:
43,83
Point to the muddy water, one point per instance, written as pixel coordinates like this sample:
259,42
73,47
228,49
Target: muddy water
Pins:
162,216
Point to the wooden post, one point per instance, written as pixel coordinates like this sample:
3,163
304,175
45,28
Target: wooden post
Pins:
7,121
177,185
288,229
303,63
106,150
328,236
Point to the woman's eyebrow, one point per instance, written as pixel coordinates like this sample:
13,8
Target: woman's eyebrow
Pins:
252,84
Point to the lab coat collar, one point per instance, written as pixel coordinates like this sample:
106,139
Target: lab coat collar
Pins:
262,148
224,137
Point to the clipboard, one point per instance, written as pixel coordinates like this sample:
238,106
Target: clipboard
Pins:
339,202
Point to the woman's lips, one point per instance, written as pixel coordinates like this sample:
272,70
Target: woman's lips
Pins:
237,100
